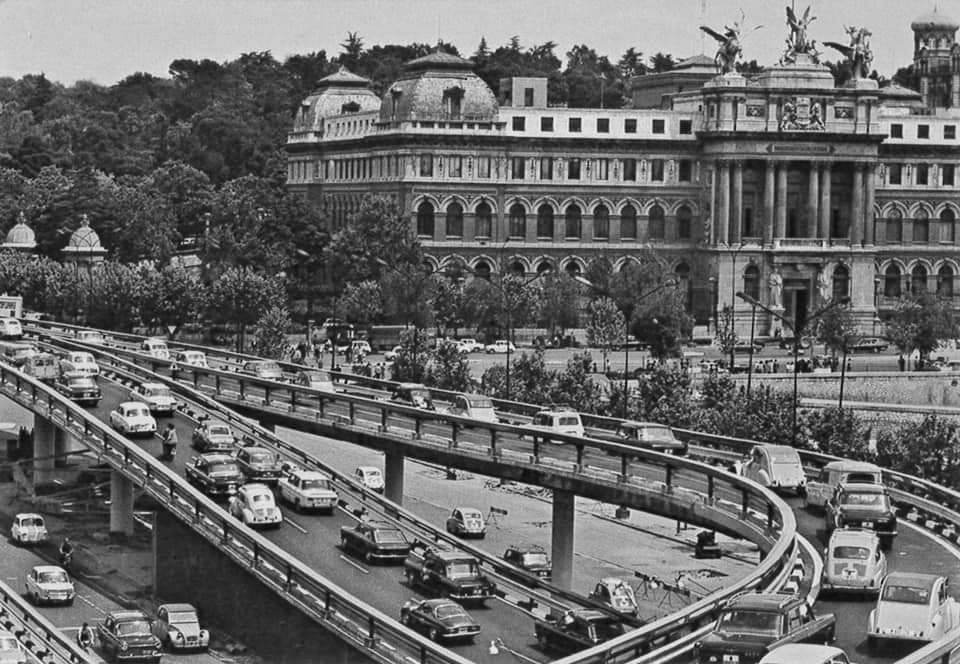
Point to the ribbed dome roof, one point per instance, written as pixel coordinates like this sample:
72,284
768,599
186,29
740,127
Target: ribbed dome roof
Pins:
339,93
84,238
934,21
21,236
439,60
343,77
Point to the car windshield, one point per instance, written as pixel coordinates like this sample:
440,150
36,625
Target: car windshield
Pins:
316,484
862,478
658,433
622,591
607,629
388,536
450,611
82,358
462,569
851,552
37,521
82,382
136,412
53,577
905,594
219,430
530,559
372,474
754,622
569,421
865,499
133,627
222,468
158,392
479,402
420,399
181,617
260,457
470,514
9,643
261,498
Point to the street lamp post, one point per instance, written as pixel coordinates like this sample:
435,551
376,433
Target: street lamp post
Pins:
753,323
734,252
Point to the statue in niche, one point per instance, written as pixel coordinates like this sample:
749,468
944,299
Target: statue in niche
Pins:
824,284
858,52
775,282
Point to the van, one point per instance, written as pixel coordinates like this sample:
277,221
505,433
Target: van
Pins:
559,421
42,366
835,473
90,337
16,352
10,328
156,348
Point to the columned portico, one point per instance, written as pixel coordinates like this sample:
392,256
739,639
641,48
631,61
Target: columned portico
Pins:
826,174
813,199
780,224
769,201
723,202
736,220
856,215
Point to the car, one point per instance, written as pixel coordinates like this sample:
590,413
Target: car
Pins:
470,345
375,541
444,572
157,396
28,528
80,362
787,343
413,394
90,337
133,418
360,347
79,387
805,653
178,628
869,345
255,506
17,353
558,421
912,607
853,562
214,474
10,328
155,348
266,369
466,522
259,464
862,506
649,436
391,354
189,358
575,630
11,652
370,477
42,366
127,636
49,584
744,346
776,467
213,435
835,473
439,619
616,593
752,623
690,352
315,380
532,559
474,406
500,346
308,490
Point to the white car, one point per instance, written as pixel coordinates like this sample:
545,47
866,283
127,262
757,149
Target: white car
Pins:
156,348
190,358
90,337
10,328
11,652
558,421
500,346
80,362
807,653
254,505
470,346
178,628
156,396
370,477
133,418
391,354
912,607
466,522
777,467
28,528
853,562
474,406
50,584
308,490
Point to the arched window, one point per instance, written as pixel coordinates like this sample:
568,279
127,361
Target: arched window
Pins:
947,232
572,221
544,266
894,225
891,282
751,281
518,221
545,222
945,281
657,229
841,282
918,280
425,219
484,220
921,226
572,268
683,277
684,217
628,223
601,222
454,220
482,270
517,268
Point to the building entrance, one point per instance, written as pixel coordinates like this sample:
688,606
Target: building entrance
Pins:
796,301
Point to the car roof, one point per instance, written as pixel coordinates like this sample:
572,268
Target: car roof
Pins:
803,652
153,386
177,607
368,468
863,487
589,614
256,448
48,568
411,386
762,601
435,603
445,554
379,525
466,508
216,457
131,404
558,411
845,536
129,614
28,515
912,579
211,423
256,487
851,465
310,474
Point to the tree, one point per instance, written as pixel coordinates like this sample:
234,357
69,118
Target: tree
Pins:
272,327
929,449
239,296
839,432
557,307
413,358
838,329
352,50
530,380
605,325
661,62
573,385
919,322
663,395
726,334
361,303
170,297
450,370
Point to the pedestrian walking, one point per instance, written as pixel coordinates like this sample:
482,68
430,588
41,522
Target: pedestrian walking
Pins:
170,440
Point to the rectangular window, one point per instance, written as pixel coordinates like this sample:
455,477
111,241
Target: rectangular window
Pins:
603,169
947,171
546,124
519,123
603,125
950,132
630,170
659,126
896,130
656,170
517,166
923,131
483,167
922,174
528,96
546,168
686,126
895,174
573,169
685,170
455,167
426,165
573,125
630,126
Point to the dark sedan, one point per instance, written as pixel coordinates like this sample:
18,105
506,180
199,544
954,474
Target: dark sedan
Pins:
869,345
214,474
375,542
259,464
439,619
78,387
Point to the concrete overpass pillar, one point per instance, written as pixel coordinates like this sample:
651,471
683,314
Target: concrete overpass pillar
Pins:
121,505
44,447
393,463
561,540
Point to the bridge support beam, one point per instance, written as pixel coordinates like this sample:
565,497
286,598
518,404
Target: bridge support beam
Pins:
561,539
121,505
393,464
44,448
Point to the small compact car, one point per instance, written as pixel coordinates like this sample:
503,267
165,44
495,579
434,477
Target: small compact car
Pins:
189,358
413,394
391,355
156,396
155,348
127,636
255,506
315,380
80,362
375,541
370,477
862,506
267,369
259,464
49,584
470,346
79,387
853,562
133,418
649,436
500,346
213,435
617,594
807,653
28,528
11,652
466,522
835,473
178,628
777,467
214,474
10,328
558,421
912,607
439,619
308,490
869,345
474,406
531,559
360,347
94,337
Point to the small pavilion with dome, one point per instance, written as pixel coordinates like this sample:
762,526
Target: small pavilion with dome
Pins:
21,237
84,247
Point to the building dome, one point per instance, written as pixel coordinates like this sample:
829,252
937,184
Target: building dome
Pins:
21,236
84,238
934,21
439,87
340,93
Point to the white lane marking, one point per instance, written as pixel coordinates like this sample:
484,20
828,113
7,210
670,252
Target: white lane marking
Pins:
357,565
84,599
296,525
946,544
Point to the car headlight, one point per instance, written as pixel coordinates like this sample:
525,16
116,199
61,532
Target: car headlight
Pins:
176,634
124,645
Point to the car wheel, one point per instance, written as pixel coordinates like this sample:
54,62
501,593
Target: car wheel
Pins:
542,641
871,645
433,634
411,577
368,557
296,505
405,619
344,544
69,602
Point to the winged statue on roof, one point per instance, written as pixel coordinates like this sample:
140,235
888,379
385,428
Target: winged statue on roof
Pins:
730,46
858,51
798,43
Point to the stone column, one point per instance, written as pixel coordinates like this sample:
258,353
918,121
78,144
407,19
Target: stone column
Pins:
393,463
723,202
736,216
769,200
856,214
825,192
44,448
870,223
780,229
561,538
121,505
813,199
469,226
614,228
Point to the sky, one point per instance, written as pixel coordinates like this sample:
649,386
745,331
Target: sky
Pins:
106,40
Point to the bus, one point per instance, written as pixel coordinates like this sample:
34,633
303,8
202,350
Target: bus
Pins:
16,352
42,366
